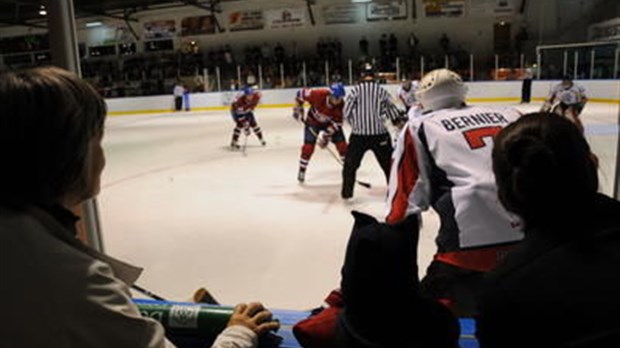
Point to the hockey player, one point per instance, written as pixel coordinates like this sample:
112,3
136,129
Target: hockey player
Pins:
323,122
242,111
566,99
406,93
443,160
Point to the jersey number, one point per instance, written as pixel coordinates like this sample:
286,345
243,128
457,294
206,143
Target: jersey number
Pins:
474,137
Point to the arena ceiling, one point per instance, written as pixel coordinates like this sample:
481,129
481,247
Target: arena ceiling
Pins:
26,12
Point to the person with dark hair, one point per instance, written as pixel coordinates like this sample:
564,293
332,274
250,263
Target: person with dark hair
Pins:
442,161
560,286
379,282
56,290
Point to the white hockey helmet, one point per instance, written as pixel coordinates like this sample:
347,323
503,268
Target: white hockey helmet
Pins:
441,89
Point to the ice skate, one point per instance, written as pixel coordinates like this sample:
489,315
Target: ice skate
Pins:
301,176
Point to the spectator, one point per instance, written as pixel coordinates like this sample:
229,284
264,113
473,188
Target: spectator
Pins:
383,45
520,38
363,46
565,271
50,145
393,46
379,267
413,43
444,43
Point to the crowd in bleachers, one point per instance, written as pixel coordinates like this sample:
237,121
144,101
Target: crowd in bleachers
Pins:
269,65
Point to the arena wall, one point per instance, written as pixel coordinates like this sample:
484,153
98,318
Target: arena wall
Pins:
607,91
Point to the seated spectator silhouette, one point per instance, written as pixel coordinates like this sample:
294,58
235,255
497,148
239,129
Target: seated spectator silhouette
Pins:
57,291
379,304
560,286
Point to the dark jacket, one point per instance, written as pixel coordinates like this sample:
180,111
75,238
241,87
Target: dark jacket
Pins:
382,304
560,287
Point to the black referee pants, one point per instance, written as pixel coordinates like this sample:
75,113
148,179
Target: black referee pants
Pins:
380,145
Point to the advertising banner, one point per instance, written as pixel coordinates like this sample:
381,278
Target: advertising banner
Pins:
444,8
198,25
285,18
386,10
245,20
337,14
163,29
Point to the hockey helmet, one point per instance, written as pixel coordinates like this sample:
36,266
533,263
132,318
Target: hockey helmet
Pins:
247,90
441,89
368,71
406,84
337,90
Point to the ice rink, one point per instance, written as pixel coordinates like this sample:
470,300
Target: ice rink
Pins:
178,202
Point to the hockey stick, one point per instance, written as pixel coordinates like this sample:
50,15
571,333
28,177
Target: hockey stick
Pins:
201,295
337,158
245,145
147,293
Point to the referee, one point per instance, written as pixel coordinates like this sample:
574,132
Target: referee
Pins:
366,108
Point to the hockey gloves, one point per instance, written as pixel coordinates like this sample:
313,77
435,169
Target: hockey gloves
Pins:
546,107
246,127
298,113
326,136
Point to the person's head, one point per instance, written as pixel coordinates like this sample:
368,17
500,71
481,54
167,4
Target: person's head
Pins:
441,89
368,72
50,138
247,91
380,282
406,84
544,169
567,82
336,93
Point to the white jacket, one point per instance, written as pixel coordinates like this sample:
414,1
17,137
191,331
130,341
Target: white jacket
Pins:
56,293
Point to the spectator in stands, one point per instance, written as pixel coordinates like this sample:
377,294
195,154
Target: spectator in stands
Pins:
444,43
57,291
413,43
363,46
560,286
393,46
520,38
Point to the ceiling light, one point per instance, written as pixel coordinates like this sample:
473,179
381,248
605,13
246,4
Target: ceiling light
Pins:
42,10
354,1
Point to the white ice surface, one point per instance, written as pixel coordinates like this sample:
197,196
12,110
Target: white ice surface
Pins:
176,201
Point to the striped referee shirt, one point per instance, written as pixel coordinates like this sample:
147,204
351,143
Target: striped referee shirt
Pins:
367,107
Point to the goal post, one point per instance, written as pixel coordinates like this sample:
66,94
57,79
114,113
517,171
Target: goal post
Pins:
585,60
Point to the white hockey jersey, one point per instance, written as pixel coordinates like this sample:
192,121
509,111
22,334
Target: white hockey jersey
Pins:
569,96
443,160
408,97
